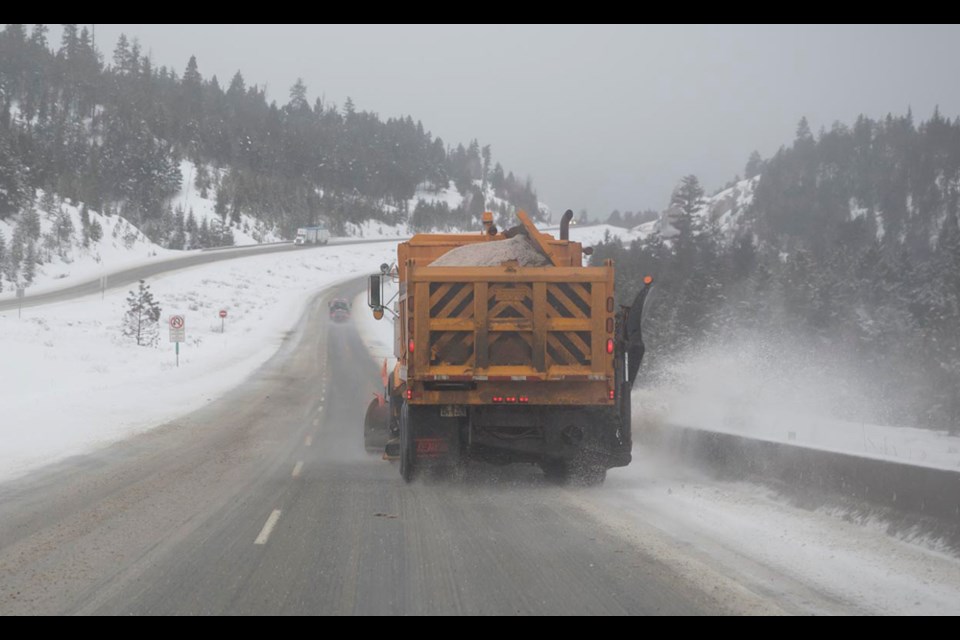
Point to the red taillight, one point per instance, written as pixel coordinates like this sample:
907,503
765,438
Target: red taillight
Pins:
511,399
609,345
613,394
409,394
497,398
523,399
410,345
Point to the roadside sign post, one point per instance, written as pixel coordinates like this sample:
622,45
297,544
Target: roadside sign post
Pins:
103,287
223,314
178,333
21,291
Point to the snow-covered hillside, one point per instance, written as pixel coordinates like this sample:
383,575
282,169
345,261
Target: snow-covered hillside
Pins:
724,209
68,250
190,198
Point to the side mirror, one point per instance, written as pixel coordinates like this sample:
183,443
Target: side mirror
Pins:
375,293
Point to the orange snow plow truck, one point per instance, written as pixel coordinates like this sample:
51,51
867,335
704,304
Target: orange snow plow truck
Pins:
508,350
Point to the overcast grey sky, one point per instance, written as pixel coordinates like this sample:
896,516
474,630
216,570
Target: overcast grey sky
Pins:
601,117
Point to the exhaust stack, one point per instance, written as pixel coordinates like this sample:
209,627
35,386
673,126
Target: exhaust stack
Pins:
565,224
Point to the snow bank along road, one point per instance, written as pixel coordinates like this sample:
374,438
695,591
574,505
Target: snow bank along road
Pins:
72,382
191,259
264,502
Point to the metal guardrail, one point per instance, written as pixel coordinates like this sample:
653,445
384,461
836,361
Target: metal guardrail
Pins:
922,490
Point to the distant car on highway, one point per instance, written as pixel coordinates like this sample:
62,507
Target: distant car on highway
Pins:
339,310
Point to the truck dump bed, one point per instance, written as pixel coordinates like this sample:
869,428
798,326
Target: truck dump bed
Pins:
488,331
512,323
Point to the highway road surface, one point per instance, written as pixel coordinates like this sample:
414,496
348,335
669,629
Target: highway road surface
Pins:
264,502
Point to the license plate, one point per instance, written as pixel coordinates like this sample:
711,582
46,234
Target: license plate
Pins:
453,411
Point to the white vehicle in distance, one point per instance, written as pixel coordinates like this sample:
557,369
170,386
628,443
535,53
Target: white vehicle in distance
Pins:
312,235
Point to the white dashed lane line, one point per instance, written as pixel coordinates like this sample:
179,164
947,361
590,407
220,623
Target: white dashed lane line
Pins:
268,527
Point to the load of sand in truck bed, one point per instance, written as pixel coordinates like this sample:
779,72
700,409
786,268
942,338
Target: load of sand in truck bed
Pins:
494,253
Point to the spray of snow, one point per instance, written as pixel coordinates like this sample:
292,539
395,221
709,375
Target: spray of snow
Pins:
773,389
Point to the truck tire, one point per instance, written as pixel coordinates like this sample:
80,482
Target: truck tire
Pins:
408,456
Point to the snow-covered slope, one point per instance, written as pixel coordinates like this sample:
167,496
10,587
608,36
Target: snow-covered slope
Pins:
724,209
121,245
250,230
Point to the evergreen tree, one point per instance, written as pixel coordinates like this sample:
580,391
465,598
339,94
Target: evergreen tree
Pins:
190,227
29,224
48,203
85,225
121,55
298,97
96,231
13,189
3,257
221,205
142,318
204,238
685,203
38,36
11,267
29,263
179,239
63,230
803,131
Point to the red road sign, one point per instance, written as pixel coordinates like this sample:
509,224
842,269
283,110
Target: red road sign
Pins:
176,322
223,313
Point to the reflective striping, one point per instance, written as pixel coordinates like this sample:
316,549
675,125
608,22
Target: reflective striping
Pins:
297,469
268,527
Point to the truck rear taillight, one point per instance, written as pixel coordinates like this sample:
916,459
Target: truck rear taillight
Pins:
497,399
523,399
609,345
410,345
613,394
410,394
511,399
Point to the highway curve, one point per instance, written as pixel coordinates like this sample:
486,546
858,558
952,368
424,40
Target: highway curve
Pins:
264,502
